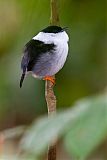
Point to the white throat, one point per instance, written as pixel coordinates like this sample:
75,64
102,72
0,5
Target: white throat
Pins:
52,37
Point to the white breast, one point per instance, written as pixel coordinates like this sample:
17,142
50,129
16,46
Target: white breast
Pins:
61,55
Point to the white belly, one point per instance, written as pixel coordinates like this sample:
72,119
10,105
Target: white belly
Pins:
59,58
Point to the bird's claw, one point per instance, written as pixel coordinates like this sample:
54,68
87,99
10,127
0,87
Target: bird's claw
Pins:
49,78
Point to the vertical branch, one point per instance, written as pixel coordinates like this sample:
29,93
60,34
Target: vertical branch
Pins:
54,20
49,93
50,98
51,105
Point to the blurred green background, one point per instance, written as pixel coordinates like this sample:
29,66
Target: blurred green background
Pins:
85,72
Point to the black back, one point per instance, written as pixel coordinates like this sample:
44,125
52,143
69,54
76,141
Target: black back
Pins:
33,50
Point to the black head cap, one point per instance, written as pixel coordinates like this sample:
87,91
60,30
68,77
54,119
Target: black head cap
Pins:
52,29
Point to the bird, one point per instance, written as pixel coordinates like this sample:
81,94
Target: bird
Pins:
45,54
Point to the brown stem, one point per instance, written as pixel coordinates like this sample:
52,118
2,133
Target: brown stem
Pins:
50,98
49,93
52,152
51,105
54,20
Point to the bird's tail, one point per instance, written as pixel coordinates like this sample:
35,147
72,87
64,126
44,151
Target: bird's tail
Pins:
23,76
22,79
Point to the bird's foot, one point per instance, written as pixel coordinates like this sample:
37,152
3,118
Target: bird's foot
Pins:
49,78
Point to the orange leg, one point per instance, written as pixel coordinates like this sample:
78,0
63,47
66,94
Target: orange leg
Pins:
49,78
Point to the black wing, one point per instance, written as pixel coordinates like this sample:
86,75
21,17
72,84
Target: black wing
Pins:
33,50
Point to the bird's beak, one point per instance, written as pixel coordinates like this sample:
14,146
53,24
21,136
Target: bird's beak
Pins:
65,28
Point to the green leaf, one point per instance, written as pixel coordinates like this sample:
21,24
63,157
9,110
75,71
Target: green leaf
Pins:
84,127
45,130
90,130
